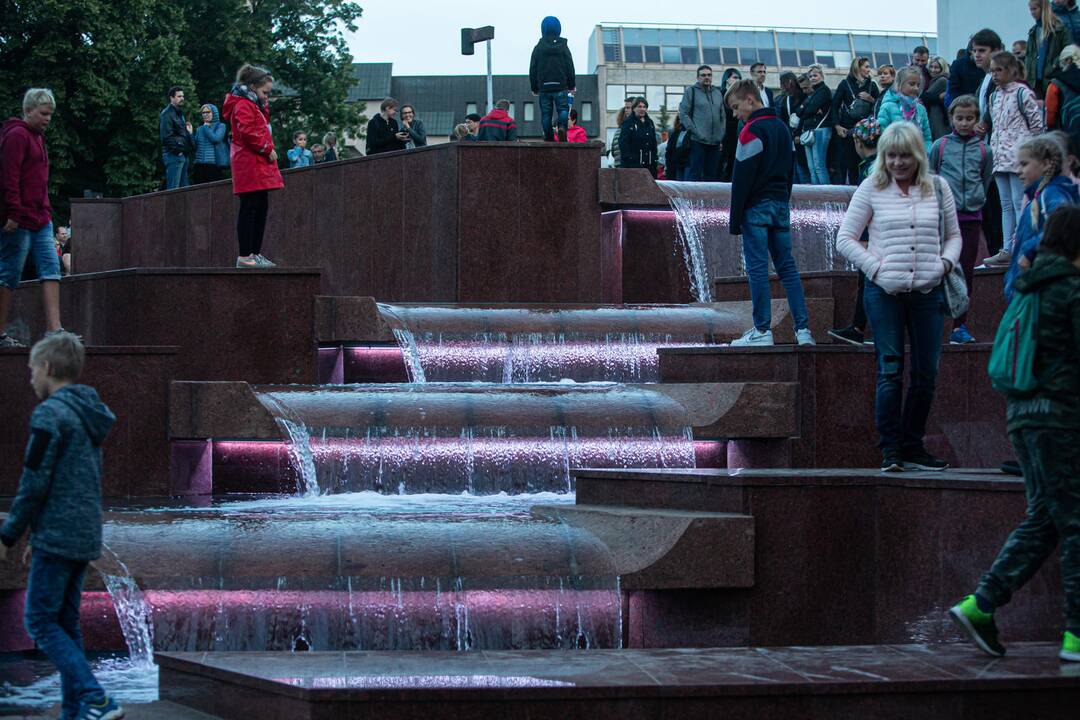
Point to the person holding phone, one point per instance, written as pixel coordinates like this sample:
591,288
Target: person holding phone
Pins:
384,133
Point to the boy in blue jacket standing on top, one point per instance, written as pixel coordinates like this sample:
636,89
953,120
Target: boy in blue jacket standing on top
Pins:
59,500
761,211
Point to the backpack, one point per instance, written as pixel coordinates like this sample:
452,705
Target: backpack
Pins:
1012,359
1069,114
1019,105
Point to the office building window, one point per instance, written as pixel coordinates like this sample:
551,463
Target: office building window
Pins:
615,96
530,111
634,54
585,114
470,108
652,53
611,45
511,111
671,55
766,48
711,56
654,94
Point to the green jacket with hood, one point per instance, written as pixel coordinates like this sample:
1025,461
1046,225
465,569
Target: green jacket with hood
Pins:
1056,402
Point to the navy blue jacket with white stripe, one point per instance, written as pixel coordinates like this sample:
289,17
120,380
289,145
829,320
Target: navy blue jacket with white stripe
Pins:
764,164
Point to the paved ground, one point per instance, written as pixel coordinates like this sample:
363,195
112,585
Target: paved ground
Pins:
149,711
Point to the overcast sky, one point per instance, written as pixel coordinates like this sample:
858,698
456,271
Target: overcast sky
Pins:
423,37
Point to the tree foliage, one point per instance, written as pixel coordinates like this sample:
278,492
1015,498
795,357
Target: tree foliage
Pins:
109,65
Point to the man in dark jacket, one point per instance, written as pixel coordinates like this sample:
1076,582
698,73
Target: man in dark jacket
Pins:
497,125
175,132
59,501
25,212
701,113
1044,428
761,211
552,77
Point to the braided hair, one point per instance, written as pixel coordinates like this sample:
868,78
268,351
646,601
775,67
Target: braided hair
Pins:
1048,150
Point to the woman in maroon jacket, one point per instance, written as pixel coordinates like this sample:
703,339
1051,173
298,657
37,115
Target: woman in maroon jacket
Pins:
254,160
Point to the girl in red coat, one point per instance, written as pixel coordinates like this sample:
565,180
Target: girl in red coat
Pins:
254,160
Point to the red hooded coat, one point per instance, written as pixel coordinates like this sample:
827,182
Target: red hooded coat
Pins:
249,153
25,176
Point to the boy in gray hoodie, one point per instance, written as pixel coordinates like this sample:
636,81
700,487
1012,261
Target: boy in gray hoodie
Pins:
59,500
963,159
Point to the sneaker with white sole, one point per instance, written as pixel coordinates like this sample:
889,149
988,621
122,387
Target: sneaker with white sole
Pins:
264,262
754,337
108,709
977,625
247,262
803,337
1002,259
6,341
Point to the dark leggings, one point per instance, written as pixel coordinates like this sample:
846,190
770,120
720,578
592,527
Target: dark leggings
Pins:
251,221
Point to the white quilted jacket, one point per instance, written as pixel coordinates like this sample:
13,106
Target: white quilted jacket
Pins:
905,248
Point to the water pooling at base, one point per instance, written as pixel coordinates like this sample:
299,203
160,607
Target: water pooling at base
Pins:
710,251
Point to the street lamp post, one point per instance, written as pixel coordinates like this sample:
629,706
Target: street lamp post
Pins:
471,36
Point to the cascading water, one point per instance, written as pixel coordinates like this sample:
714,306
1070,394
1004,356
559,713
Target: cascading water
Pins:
518,345
701,212
481,440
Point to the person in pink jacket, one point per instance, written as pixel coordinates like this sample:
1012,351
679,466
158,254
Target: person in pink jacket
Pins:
1013,115
905,261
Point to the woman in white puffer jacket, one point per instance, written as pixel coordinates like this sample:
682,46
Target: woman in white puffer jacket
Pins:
905,261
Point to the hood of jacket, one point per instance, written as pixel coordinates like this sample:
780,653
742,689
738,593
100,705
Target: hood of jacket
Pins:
13,123
550,27
1058,183
214,110
1070,77
1047,268
83,400
551,45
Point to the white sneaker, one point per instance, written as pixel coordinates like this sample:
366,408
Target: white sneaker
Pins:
803,337
1002,259
753,336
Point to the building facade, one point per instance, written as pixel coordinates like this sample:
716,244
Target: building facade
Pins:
659,61
443,101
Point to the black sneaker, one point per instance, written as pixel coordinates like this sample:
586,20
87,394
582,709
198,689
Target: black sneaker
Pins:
849,335
1011,467
921,460
890,460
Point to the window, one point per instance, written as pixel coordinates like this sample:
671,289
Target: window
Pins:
615,96
932,44
711,56
652,53
586,112
634,54
789,58
806,58
826,60
470,108
611,53
882,58
510,112
766,48
635,90
731,56
530,111
671,55
654,94
689,56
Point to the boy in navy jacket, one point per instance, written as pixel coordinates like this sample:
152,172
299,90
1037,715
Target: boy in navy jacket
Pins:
59,501
761,211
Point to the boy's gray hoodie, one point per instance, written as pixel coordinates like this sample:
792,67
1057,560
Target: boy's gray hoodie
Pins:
967,164
59,495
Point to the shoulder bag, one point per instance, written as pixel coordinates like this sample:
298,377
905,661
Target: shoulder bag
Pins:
956,289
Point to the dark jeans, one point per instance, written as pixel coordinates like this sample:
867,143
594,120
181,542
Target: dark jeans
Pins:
991,213
858,320
1050,459
176,167
203,173
970,232
921,317
53,595
767,232
554,105
251,221
849,160
704,162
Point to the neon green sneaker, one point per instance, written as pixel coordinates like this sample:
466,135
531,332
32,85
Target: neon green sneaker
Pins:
978,626
1070,647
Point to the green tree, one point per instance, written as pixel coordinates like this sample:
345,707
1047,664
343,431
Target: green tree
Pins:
665,116
109,65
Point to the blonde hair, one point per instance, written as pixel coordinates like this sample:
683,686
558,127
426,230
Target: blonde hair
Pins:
1048,150
1069,54
64,353
1050,22
903,73
35,98
856,63
461,130
905,138
942,62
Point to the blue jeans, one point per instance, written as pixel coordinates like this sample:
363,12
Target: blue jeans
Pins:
17,244
53,594
554,104
704,162
767,232
921,316
817,156
175,170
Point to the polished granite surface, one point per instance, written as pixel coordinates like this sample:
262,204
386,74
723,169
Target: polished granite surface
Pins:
629,673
